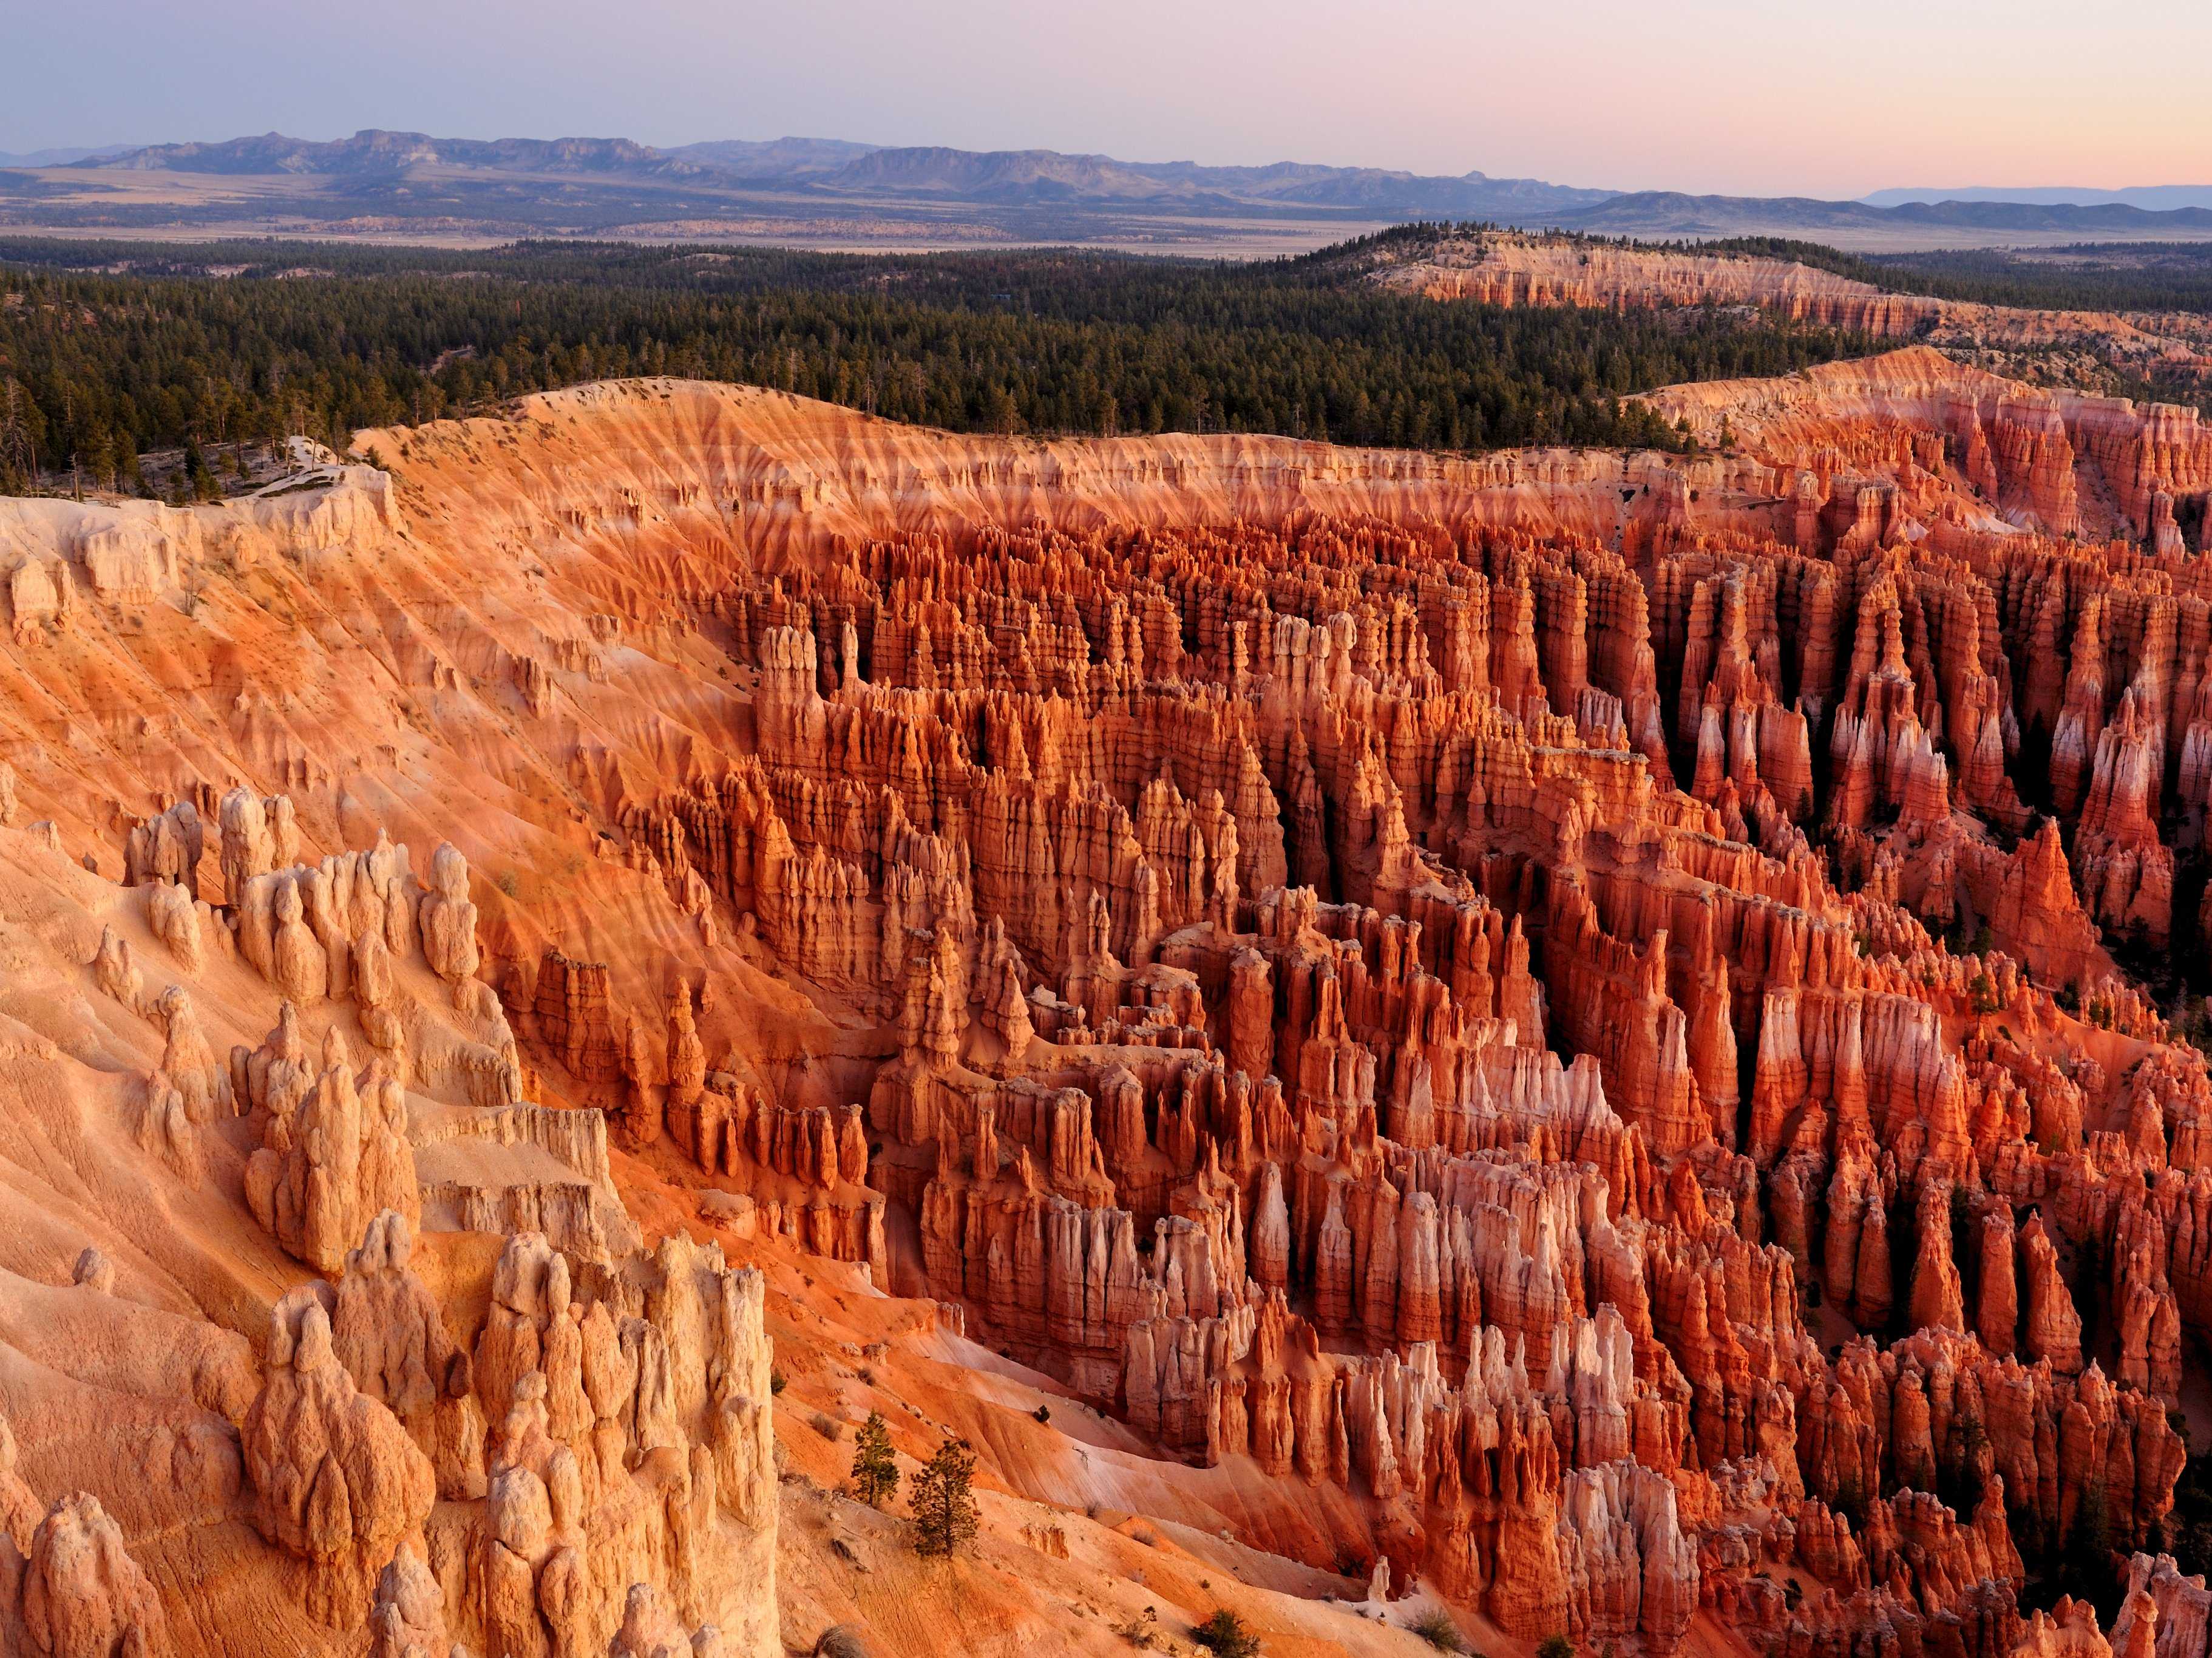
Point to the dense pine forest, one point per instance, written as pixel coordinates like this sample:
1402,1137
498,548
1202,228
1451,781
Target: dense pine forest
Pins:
2093,276
111,350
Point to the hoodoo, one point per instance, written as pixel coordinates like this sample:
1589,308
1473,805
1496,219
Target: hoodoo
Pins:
1544,1035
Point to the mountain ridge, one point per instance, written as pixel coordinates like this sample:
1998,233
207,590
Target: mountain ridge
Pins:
2151,197
842,166
815,187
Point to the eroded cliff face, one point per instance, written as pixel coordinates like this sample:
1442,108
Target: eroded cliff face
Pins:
225,1461
1541,1027
1504,268
2056,348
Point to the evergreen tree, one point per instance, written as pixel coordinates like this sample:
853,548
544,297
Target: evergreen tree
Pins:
943,1502
875,1470
99,460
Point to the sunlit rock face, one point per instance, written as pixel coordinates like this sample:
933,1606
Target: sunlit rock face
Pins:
1545,1026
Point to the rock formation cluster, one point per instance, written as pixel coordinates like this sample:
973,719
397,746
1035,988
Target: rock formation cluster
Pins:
1559,1021
564,1445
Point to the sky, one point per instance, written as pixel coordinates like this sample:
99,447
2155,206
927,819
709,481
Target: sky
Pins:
1749,97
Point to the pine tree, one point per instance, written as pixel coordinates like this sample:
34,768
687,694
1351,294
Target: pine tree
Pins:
875,1470
99,459
943,1501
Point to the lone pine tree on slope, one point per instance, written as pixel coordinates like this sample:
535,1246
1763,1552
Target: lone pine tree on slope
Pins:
875,1469
944,1504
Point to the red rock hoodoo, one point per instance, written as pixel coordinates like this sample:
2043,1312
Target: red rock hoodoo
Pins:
1546,1031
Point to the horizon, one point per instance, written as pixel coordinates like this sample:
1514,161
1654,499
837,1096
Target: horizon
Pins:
1934,192
1715,97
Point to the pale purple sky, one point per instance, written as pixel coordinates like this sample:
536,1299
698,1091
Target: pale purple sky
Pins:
1768,97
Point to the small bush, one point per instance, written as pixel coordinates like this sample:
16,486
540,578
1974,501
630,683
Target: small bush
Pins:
1142,1631
775,1382
1042,1413
1435,1627
1224,1635
1555,1646
828,1427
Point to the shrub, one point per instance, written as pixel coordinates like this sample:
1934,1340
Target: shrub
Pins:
775,1382
1042,1413
944,1501
1142,1630
1555,1646
875,1470
1224,1635
1435,1627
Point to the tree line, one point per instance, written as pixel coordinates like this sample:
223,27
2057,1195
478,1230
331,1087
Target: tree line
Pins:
109,350
2087,276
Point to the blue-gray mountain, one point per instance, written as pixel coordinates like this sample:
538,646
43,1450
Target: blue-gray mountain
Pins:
585,184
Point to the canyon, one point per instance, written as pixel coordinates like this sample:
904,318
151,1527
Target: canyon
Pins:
1594,1042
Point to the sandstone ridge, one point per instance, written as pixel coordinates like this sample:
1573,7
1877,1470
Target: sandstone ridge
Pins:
1515,269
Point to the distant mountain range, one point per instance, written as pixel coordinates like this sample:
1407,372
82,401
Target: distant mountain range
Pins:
1667,213
1049,175
774,158
613,186
830,165
2153,199
59,157
384,153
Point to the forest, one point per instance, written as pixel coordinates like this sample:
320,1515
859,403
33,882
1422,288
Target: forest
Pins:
109,350
2091,277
